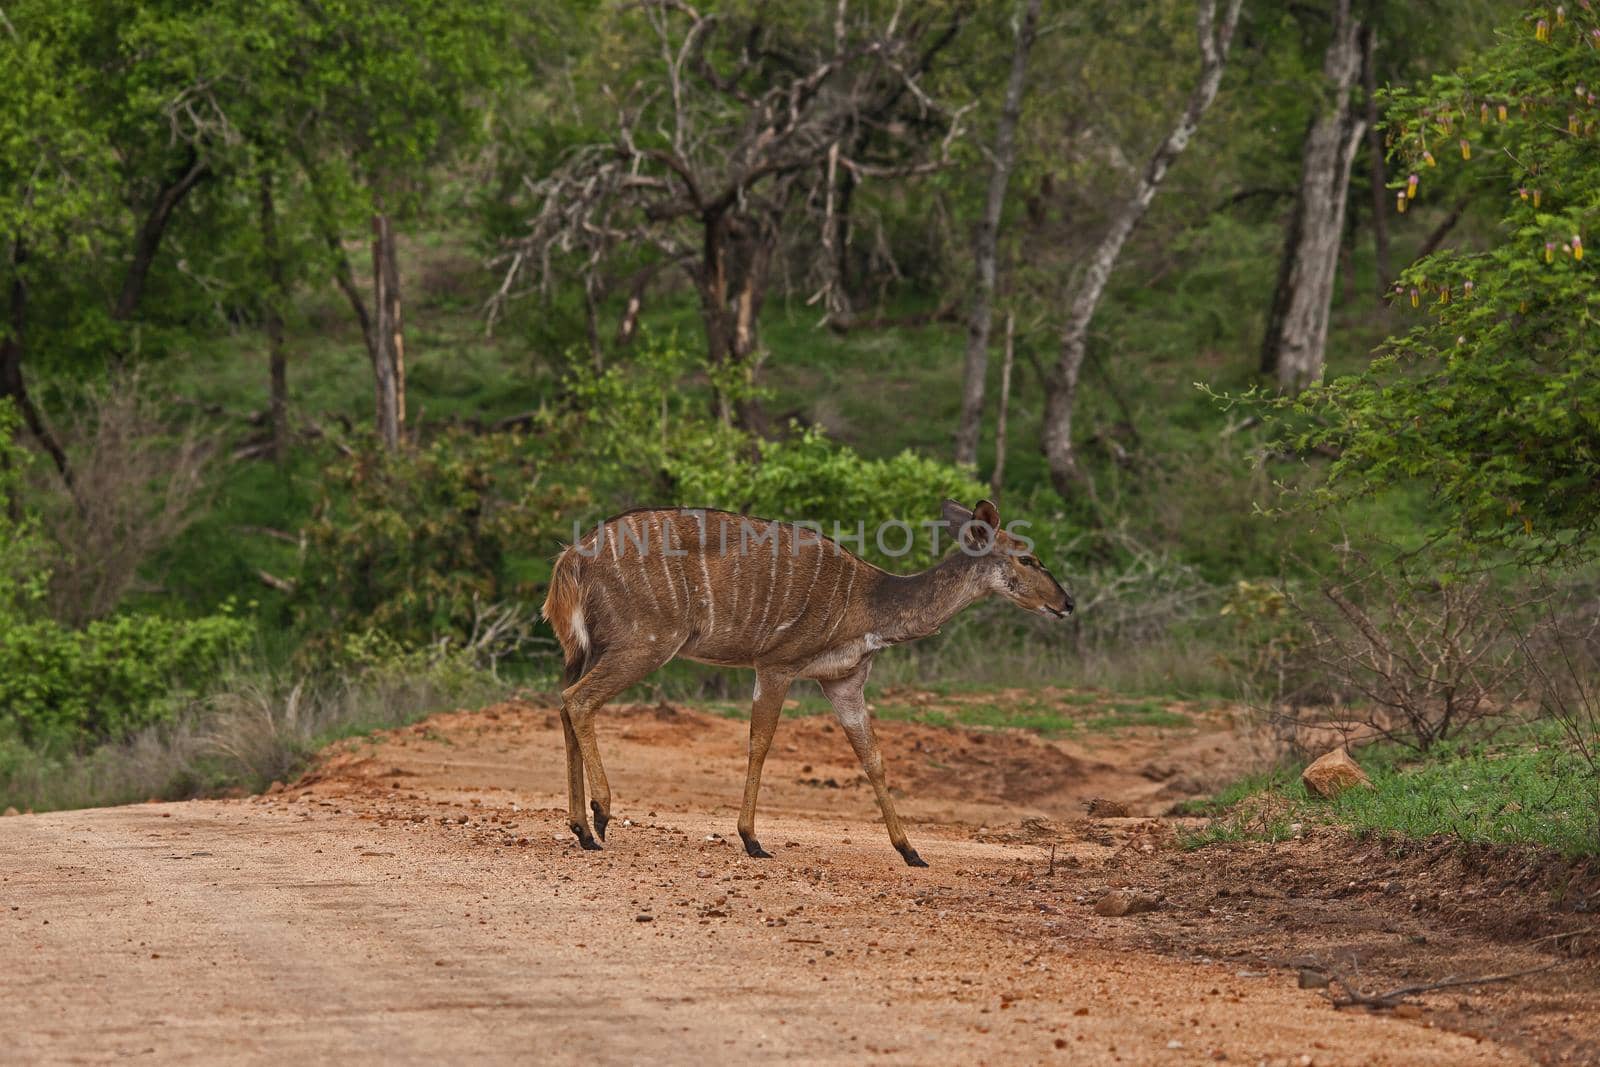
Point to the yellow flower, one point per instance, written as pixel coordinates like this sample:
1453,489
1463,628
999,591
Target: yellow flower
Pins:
1400,201
1501,112
1466,149
1416,298
1537,193
1427,157
1411,187
1577,247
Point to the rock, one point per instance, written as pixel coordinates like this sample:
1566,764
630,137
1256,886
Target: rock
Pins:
1333,773
1311,978
275,787
1125,902
1101,808
12,811
1408,1011
644,917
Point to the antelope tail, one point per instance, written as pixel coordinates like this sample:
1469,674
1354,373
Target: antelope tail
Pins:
563,610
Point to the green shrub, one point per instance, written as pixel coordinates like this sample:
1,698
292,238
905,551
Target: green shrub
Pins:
61,687
415,543
23,574
809,477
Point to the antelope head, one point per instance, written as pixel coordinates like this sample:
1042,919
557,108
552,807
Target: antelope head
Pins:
1006,564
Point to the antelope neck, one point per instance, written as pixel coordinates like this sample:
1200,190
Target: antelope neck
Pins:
908,606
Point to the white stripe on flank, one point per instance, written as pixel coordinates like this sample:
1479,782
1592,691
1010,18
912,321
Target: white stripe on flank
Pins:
708,597
772,587
806,601
665,573
844,607
733,612
644,576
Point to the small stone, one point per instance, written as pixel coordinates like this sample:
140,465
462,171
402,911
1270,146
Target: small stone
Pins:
275,787
644,918
1310,978
12,811
1407,1011
1332,773
1120,902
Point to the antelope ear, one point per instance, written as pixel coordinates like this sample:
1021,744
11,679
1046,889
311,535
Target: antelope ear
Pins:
954,515
981,528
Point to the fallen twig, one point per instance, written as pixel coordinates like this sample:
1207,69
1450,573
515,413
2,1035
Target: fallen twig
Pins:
1352,997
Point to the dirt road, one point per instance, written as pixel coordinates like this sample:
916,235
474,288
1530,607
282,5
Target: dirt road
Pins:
417,899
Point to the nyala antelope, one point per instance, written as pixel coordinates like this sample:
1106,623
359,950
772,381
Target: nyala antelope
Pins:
651,585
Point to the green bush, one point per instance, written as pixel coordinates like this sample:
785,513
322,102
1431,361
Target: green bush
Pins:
809,477
23,574
61,687
415,543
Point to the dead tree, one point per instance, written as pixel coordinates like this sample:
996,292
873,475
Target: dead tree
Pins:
1061,379
1297,329
740,142
981,320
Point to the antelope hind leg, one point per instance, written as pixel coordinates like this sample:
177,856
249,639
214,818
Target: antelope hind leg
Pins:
765,707
609,675
575,814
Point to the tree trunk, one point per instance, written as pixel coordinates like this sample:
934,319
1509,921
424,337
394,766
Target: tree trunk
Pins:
1375,161
13,386
1061,382
732,281
998,476
388,350
148,240
277,297
1297,329
988,237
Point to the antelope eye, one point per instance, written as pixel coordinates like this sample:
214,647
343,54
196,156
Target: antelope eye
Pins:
1029,561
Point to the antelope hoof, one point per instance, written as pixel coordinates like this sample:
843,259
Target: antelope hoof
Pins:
909,854
753,848
585,839
601,820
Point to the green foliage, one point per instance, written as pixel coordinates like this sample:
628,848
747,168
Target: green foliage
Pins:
61,687
1527,789
23,577
70,688
808,477
643,427
1493,401
1524,786
414,543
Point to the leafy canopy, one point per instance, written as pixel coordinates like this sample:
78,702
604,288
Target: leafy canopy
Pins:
1493,398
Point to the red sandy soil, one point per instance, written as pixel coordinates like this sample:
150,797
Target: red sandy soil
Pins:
417,898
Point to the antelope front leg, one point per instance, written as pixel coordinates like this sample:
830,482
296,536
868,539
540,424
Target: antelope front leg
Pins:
849,700
765,707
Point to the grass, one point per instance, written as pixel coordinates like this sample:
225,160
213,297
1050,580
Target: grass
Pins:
1524,786
253,730
1053,716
